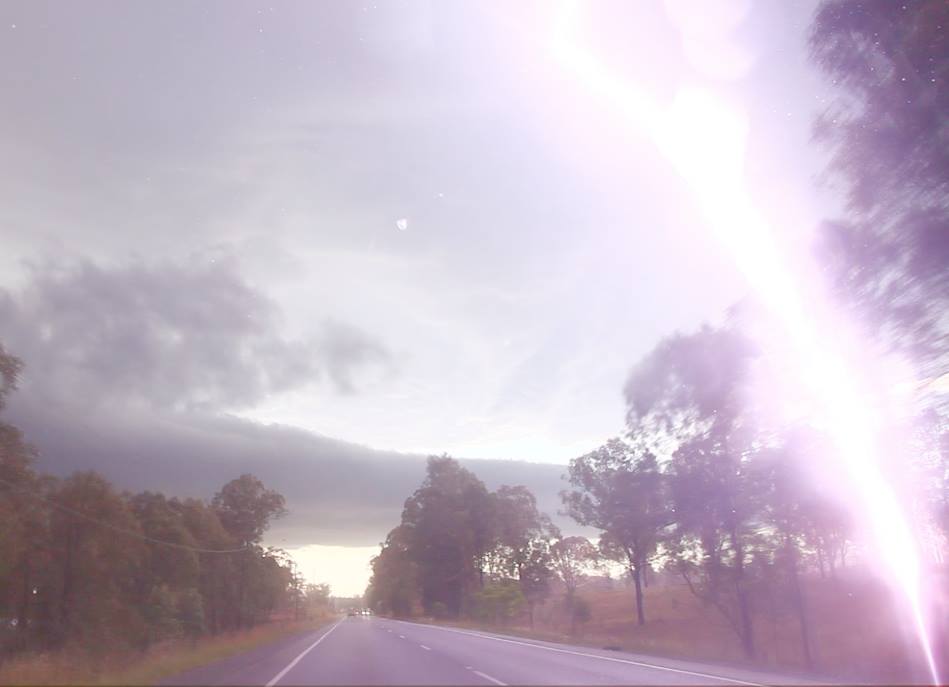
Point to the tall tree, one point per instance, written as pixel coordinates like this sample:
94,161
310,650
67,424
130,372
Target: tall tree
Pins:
522,547
393,587
448,534
24,545
888,135
571,559
624,495
94,567
686,400
246,507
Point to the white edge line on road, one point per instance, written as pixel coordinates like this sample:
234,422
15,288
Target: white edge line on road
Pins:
489,678
586,655
303,653
427,648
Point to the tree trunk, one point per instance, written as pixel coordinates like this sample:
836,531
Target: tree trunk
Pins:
797,598
23,604
65,604
820,560
241,579
637,582
746,628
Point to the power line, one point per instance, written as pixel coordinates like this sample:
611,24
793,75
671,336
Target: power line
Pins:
120,530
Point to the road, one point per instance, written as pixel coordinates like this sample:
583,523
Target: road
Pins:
378,651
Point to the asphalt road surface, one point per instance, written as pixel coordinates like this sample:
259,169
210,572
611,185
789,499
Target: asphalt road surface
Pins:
378,651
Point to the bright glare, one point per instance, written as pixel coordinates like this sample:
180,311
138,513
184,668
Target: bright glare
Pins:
704,138
344,568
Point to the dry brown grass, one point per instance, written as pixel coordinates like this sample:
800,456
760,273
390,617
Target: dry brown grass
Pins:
72,667
856,631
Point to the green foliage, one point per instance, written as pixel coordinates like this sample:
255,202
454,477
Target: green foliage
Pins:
624,495
190,612
580,611
82,564
160,613
246,508
447,531
498,601
393,588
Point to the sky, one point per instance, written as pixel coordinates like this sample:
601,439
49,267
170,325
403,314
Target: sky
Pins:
318,241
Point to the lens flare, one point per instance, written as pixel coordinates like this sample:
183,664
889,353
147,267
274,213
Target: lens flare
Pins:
704,138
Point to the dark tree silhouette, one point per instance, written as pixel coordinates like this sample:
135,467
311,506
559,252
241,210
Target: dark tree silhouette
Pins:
888,135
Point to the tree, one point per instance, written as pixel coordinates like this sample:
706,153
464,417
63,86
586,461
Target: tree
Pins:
316,599
447,531
93,568
886,133
245,508
82,564
686,399
534,574
623,495
24,539
571,558
393,587
174,567
788,507
499,601
522,548
216,572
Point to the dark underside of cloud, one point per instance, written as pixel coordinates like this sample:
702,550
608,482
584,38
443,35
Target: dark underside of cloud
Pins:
133,372
337,493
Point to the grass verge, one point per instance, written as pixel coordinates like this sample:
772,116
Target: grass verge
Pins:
857,633
73,667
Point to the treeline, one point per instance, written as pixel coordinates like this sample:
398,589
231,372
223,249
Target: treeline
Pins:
83,564
699,489
463,551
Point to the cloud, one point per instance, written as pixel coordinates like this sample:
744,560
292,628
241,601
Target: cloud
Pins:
178,336
338,493
346,350
135,371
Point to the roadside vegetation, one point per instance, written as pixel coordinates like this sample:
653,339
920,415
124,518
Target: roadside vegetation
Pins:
94,581
853,621
148,667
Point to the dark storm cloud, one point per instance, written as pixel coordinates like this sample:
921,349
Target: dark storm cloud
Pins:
178,336
337,492
130,372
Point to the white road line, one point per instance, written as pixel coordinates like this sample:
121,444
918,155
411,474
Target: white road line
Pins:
401,636
427,648
488,678
303,653
602,658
